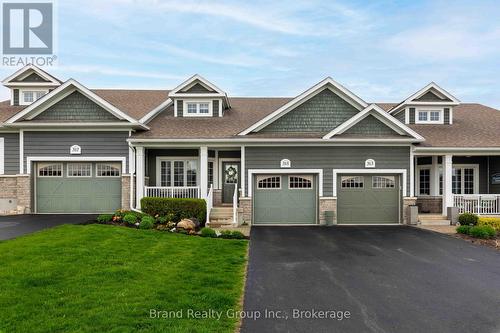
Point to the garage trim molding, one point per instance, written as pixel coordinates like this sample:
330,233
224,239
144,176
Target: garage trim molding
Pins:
251,172
368,171
30,159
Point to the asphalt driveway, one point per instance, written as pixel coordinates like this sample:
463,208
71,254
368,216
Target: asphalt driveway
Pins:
389,279
18,225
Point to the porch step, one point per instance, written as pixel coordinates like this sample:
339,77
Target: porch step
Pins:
221,222
433,219
221,216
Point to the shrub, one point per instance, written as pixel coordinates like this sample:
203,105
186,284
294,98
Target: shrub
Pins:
468,219
176,208
130,219
463,229
484,231
208,232
147,222
491,221
228,234
105,218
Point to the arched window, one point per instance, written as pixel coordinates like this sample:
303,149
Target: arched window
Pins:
50,170
295,182
269,182
107,170
352,181
383,182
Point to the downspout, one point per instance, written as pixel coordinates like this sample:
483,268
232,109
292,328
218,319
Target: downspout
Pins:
132,182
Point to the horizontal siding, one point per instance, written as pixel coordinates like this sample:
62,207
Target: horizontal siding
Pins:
93,144
327,158
11,154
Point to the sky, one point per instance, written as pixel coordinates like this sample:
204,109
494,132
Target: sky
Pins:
382,51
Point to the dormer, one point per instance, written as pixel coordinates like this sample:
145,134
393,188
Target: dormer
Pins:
197,97
431,105
29,84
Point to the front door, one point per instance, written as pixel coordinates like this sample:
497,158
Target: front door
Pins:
230,179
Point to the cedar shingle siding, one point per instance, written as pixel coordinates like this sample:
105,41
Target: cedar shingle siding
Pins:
198,89
431,97
371,126
322,113
33,77
76,107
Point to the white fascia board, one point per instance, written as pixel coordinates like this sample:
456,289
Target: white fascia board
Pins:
30,159
382,116
432,85
455,150
38,71
31,84
333,141
53,97
153,113
204,95
80,125
301,99
191,80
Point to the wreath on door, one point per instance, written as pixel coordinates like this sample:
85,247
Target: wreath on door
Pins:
231,174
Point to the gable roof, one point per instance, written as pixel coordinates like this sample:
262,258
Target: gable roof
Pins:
382,116
60,93
14,79
327,83
449,99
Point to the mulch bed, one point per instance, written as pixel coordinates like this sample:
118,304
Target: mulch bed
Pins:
493,243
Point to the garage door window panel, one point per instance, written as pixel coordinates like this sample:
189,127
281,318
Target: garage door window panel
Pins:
79,170
269,182
383,182
300,182
50,170
107,170
352,182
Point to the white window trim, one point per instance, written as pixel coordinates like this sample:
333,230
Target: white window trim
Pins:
2,156
97,173
70,176
34,90
252,172
384,188
39,166
428,110
268,188
197,114
184,159
403,180
454,166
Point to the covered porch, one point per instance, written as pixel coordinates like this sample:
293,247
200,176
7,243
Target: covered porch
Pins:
209,173
469,181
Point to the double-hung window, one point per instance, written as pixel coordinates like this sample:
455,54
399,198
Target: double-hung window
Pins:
464,180
178,173
30,96
198,109
429,116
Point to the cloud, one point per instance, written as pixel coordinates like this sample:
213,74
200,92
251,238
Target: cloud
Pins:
445,42
102,70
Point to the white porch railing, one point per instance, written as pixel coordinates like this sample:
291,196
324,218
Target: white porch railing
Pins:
172,192
235,204
210,203
481,204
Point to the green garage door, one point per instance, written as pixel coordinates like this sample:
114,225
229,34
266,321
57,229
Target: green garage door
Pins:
79,187
368,199
285,199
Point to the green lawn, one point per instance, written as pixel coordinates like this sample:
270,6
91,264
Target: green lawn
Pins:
100,278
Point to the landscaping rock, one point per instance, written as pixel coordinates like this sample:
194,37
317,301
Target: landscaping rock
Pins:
186,224
196,222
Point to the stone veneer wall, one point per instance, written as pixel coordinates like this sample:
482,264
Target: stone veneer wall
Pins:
126,192
17,188
407,201
433,205
217,197
327,204
245,210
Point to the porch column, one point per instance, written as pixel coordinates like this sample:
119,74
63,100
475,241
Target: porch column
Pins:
434,176
139,172
203,172
242,171
447,183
